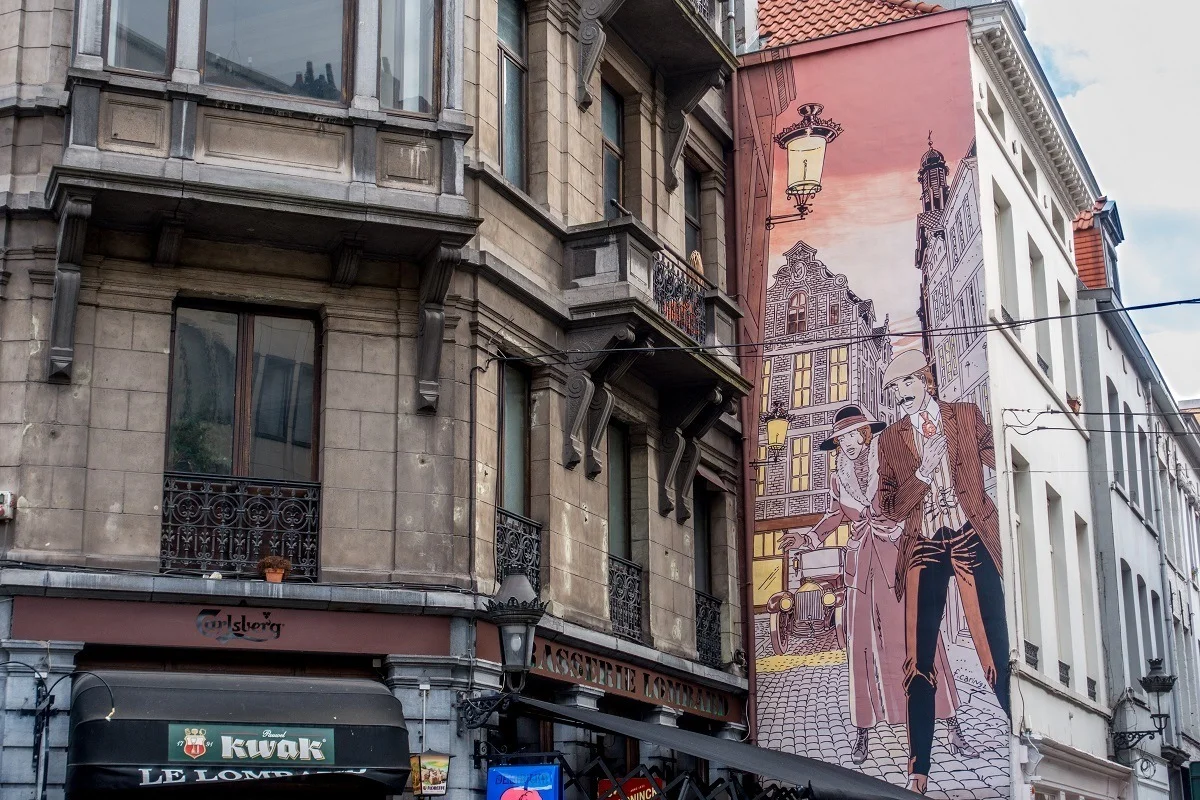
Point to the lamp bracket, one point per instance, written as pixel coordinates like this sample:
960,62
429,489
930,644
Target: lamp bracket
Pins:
474,712
1127,740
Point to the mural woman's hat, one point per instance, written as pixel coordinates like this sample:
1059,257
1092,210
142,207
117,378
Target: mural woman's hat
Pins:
910,362
848,418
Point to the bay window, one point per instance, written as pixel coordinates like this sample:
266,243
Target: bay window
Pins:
139,35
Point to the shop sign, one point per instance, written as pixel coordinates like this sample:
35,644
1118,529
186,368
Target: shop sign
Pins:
249,744
524,782
162,776
577,666
634,789
430,774
226,626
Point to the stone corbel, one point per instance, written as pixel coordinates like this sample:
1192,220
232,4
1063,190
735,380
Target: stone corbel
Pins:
593,14
436,277
72,231
170,241
345,261
686,474
602,357
684,93
672,443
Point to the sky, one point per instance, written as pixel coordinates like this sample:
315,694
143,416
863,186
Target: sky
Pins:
1126,75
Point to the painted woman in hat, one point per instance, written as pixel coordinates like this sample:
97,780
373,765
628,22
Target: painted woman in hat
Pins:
873,619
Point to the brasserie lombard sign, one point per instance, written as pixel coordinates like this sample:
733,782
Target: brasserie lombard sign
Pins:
578,666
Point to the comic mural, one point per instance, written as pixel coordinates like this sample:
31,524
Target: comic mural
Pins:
880,637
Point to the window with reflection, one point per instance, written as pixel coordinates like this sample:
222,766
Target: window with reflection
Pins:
294,47
139,35
514,439
691,210
620,532
510,31
407,55
242,395
612,124
797,311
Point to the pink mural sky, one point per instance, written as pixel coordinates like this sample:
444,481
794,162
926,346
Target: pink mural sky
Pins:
887,95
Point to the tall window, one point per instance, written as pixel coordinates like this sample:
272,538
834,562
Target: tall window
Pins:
620,542
1027,550
797,311
1041,309
139,35
1131,452
1058,568
702,536
766,384
242,395
514,440
1147,472
835,312
691,211
510,28
612,124
839,374
1005,242
802,381
1087,591
281,46
801,463
760,477
1129,609
1114,426
407,55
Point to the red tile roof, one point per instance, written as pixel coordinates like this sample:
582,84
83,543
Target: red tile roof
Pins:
783,22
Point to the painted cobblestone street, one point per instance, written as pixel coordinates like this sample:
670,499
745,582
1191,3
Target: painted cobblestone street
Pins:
803,708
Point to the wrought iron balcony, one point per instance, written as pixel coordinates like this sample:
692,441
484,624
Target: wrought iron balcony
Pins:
679,295
708,629
625,597
1031,654
518,547
226,524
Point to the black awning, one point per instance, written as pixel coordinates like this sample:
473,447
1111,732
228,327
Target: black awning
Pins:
825,781
174,729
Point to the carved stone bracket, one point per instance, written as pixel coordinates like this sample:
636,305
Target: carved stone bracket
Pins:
601,357
436,277
684,93
72,232
680,457
345,262
592,16
170,241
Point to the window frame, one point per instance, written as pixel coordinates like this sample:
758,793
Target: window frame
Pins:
349,47
616,148
169,67
522,63
689,222
500,472
806,385
800,467
798,302
627,493
243,381
436,106
843,382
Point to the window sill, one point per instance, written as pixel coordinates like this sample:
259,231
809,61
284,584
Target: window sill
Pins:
489,175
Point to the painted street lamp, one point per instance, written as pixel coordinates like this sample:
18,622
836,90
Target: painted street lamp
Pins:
805,142
516,612
776,421
1157,684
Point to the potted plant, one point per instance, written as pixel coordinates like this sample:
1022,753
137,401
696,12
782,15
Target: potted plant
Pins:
274,568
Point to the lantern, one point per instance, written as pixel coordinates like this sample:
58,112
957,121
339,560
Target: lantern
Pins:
777,421
516,612
805,144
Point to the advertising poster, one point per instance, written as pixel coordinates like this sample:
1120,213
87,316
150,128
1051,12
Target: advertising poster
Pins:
881,641
524,782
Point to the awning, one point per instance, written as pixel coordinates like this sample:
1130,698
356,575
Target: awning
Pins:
175,729
825,781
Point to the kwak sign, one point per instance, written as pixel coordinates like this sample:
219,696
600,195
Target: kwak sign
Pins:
525,782
250,744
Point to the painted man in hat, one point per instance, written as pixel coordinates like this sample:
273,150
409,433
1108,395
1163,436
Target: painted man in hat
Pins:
931,480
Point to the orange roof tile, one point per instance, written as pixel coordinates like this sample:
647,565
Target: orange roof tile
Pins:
783,22
1086,218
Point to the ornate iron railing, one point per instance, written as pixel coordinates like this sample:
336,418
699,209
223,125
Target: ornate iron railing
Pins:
1041,362
679,296
707,9
226,524
518,547
1091,688
1031,654
1064,673
625,597
708,629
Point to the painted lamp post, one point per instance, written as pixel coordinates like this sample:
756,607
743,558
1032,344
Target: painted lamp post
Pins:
805,142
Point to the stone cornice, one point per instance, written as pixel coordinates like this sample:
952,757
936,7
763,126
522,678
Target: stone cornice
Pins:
1004,50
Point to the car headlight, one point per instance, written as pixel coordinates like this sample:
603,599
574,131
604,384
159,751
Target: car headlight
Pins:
785,603
829,599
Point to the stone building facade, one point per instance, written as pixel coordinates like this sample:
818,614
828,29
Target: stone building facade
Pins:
402,291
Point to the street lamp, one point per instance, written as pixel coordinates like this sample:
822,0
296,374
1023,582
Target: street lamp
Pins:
776,421
1157,684
805,142
516,612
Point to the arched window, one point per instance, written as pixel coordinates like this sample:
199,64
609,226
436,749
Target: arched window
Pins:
796,313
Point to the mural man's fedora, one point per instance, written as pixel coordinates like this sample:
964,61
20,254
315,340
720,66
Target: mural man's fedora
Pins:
910,362
848,418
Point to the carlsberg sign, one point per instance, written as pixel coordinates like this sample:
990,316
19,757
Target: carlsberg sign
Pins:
250,744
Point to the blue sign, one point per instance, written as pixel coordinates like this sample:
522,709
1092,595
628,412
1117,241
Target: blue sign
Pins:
525,782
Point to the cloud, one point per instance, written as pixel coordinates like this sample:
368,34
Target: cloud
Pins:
1126,80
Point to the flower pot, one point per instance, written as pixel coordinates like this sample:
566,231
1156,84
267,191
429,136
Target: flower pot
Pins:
273,575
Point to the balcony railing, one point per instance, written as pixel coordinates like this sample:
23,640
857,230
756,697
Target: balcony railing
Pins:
214,523
1031,654
679,295
625,597
1091,688
518,547
708,629
707,9
1064,673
